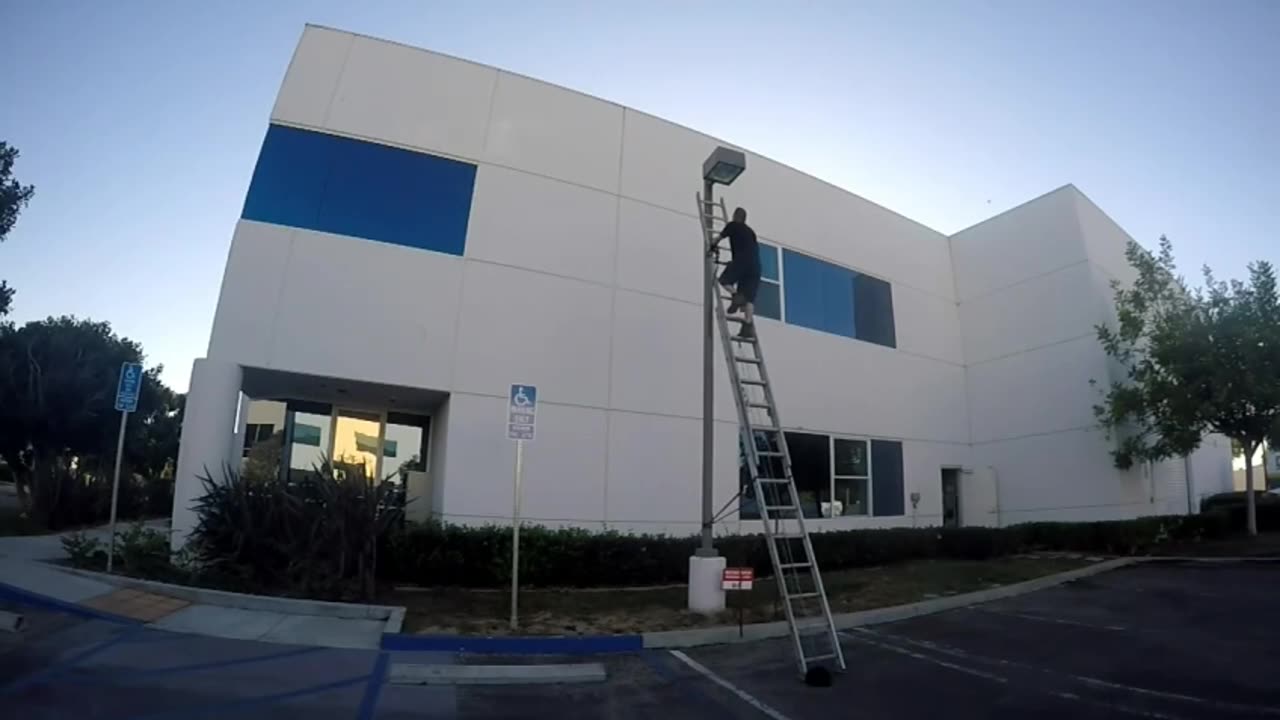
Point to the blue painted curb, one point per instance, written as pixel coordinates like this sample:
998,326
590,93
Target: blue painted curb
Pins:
26,597
590,645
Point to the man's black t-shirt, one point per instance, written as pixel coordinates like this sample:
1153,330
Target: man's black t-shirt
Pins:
742,241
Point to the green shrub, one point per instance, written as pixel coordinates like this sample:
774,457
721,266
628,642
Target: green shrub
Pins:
446,555
85,552
314,537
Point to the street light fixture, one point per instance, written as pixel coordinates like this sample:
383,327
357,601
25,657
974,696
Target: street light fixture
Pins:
724,165
721,167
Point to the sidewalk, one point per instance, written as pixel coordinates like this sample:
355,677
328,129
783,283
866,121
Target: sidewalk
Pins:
25,566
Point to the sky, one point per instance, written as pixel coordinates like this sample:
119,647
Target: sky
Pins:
139,121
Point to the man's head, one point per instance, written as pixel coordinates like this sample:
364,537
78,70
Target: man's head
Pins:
740,215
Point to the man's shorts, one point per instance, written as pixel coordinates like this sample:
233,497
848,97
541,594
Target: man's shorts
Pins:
744,277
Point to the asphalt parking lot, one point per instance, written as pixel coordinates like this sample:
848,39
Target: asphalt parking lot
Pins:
1156,640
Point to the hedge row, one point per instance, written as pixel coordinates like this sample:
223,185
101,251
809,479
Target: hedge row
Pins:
434,554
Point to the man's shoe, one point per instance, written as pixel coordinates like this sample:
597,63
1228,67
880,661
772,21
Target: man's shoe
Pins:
748,331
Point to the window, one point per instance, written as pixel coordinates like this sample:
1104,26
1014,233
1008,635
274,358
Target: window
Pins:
818,295
351,187
255,433
886,480
835,477
851,473
769,297
873,310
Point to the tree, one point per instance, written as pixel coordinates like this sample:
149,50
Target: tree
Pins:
57,400
13,198
1195,362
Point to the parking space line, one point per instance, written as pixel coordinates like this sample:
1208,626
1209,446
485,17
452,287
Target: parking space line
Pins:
706,703
1222,705
59,668
862,634
377,677
1042,618
742,694
221,709
211,665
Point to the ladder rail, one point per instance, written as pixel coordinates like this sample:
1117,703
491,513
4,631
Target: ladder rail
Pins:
748,436
814,570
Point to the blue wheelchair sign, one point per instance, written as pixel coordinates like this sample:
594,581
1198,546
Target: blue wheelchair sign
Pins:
522,407
129,387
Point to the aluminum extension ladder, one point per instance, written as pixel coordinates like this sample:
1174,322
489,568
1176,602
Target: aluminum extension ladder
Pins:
764,447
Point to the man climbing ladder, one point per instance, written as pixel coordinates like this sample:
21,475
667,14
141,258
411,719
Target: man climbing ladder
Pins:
764,447
743,271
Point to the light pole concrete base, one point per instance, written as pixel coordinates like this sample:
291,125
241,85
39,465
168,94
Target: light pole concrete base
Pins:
706,593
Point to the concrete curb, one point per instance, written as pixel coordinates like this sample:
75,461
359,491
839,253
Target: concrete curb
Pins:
1209,560
407,674
723,635
392,615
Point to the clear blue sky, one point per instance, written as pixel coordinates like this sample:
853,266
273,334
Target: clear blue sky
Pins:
139,121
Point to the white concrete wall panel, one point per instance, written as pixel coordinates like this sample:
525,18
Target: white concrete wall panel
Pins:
1032,314
662,163
1211,468
533,222
927,324
312,79
922,464
552,332
244,323
564,472
829,383
438,456
1040,391
659,251
412,97
552,131
657,356
1104,240
367,310
1030,240
654,489
1063,476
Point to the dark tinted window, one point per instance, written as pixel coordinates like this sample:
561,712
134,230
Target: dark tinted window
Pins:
351,187
886,478
873,308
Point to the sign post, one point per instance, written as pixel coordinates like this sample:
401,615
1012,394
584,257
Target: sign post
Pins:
128,389
738,578
522,407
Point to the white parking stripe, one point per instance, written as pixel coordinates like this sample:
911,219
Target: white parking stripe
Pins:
1042,618
862,637
1223,705
728,686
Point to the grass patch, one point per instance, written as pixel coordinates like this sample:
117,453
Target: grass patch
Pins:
624,611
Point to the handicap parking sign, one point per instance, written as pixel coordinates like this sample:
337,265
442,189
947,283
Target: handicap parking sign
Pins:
522,407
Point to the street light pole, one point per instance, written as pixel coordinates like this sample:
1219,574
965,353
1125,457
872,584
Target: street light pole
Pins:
706,566
707,549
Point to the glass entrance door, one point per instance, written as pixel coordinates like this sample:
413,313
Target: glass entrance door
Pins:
357,441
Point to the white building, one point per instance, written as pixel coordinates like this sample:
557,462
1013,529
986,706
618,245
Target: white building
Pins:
423,231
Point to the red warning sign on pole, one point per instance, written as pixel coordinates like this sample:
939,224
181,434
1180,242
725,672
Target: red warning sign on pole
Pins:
738,578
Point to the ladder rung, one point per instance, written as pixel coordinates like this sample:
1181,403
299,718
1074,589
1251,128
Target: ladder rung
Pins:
775,481
771,508
751,382
803,595
787,536
736,318
819,658
793,566
762,406
745,340
768,453
744,359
